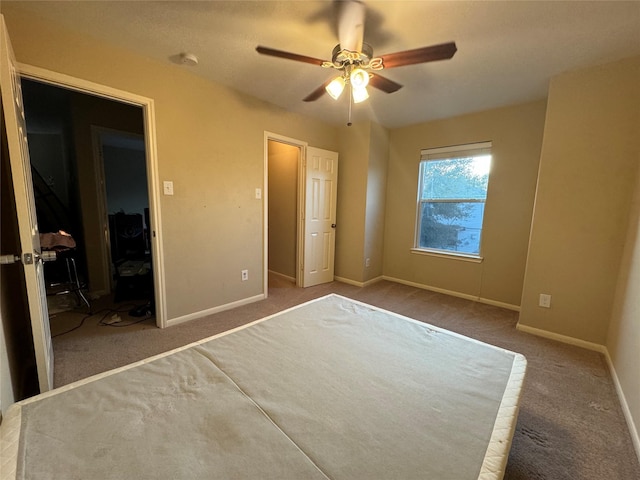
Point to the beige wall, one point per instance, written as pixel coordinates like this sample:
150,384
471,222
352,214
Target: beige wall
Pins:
516,133
376,198
352,193
587,172
283,207
364,154
210,142
623,339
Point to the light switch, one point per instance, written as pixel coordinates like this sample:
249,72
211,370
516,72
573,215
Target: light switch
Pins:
258,193
168,188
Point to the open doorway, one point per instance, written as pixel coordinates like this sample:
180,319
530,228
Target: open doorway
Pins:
283,215
87,156
120,161
314,194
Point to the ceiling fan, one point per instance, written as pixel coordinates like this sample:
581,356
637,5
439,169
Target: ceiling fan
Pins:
355,61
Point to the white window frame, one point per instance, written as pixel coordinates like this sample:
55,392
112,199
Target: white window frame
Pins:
445,153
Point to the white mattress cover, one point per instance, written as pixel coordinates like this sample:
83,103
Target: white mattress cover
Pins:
495,459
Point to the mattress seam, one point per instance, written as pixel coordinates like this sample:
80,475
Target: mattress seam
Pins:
206,354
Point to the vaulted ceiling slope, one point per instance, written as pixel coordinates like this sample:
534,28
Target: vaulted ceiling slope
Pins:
507,50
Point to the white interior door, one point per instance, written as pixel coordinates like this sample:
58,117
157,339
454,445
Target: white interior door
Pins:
321,193
26,211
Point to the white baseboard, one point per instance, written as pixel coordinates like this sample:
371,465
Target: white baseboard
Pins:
496,303
356,283
211,311
282,275
561,338
466,296
474,298
633,430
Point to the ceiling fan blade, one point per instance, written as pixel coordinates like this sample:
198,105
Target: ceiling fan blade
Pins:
288,55
317,93
351,25
443,51
384,84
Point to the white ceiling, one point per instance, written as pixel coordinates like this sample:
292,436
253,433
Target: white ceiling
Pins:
507,50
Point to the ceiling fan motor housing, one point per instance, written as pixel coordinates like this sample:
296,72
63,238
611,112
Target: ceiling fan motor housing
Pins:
341,57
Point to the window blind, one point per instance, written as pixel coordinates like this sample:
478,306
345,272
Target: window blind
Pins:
455,151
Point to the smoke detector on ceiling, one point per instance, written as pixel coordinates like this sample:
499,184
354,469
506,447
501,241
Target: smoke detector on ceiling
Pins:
188,59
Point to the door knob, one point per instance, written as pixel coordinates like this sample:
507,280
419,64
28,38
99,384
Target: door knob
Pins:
8,259
333,225
28,258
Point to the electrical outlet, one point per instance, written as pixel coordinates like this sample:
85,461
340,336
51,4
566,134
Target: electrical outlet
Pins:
367,262
245,275
545,300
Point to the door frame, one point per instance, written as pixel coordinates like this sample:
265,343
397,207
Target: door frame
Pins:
153,181
302,146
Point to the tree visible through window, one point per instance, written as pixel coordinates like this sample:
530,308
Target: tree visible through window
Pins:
451,196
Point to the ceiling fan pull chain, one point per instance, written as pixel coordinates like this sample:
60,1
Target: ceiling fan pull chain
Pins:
350,104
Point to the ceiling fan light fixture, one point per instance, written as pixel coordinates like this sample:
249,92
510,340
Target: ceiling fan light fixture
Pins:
359,78
335,87
359,94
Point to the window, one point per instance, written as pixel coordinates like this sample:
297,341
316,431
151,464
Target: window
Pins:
452,190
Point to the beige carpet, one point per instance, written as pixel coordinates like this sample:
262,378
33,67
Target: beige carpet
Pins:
570,426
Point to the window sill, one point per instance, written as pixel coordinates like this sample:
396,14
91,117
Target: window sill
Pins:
465,257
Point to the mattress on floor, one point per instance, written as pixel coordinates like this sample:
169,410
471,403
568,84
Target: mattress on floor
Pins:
331,389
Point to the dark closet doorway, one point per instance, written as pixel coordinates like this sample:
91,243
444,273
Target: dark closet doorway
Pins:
90,182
